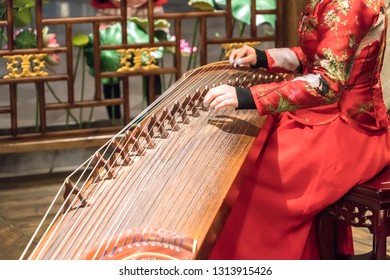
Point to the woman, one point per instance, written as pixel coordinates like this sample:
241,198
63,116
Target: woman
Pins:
327,130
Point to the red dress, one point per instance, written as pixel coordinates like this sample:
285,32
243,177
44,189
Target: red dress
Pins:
327,131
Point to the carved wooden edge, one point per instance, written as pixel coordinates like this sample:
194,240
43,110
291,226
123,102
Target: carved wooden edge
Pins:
152,244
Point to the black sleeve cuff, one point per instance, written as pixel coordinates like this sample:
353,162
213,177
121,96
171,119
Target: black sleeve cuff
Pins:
261,59
245,99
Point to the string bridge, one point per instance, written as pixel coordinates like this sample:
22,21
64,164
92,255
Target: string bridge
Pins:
71,189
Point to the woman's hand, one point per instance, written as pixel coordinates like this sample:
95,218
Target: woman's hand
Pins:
221,96
243,56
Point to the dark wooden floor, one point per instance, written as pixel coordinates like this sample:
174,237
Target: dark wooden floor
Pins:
24,201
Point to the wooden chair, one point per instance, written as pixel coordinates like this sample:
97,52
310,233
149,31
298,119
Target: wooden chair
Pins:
366,205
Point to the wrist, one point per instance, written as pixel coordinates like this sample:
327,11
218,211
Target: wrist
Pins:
261,59
245,98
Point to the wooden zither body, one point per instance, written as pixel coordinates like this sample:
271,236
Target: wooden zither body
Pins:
159,189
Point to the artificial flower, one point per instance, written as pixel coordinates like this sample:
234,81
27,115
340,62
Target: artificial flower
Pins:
50,41
185,48
27,39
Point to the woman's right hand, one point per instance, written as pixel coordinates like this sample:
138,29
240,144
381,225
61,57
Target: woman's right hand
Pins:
244,56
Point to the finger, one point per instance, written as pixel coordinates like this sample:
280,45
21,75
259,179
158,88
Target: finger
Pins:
237,54
229,102
232,56
223,100
240,57
212,94
217,100
247,60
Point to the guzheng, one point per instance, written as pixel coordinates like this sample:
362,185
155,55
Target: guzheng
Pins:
159,189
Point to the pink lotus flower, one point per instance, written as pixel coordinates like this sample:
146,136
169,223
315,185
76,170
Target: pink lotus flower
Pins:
185,48
26,39
50,41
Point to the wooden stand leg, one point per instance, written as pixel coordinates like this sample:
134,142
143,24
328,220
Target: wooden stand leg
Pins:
327,237
380,237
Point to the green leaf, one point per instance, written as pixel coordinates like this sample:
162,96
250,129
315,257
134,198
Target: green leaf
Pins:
21,9
25,40
22,18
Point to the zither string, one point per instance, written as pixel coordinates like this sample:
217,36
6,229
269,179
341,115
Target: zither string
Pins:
183,93
141,166
101,207
154,173
161,189
210,141
194,77
140,192
165,206
151,168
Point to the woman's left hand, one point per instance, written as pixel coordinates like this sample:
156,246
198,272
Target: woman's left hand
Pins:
221,96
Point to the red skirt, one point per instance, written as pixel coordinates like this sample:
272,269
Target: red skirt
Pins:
300,170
